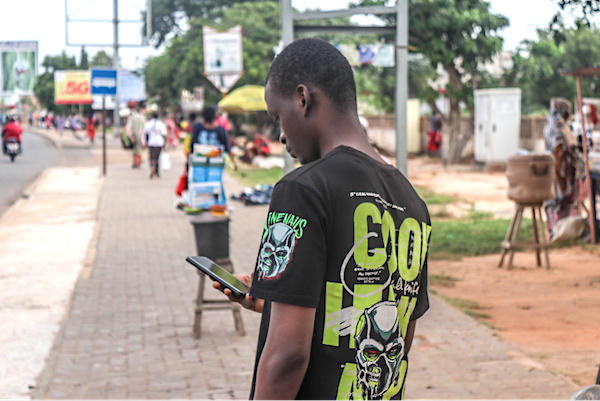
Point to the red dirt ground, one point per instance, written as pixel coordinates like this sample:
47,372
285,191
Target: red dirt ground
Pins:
553,315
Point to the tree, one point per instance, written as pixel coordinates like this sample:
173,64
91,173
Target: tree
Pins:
44,87
539,73
169,16
181,65
101,59
460,35
83,59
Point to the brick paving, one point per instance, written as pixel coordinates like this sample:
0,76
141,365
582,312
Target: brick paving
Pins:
128,334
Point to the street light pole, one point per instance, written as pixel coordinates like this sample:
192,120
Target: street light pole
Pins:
115,60
287,37
401,85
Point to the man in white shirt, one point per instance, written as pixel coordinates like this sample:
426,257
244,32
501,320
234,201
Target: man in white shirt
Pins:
154,136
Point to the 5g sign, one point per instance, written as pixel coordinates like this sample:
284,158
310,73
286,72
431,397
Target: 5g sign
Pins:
78,88
72,87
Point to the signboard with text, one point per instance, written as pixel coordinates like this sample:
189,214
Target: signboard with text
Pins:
72,87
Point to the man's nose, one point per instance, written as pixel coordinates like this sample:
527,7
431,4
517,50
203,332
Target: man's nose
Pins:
282,138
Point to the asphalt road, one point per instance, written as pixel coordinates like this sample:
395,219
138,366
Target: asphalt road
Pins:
38,154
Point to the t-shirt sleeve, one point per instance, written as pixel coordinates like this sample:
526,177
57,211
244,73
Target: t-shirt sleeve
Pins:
291,263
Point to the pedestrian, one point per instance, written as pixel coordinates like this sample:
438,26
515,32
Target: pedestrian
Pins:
208,132
341,273
560,141
135,127
90,126
155,139
60,124
172,134
434,136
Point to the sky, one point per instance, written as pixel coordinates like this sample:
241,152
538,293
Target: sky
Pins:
44,21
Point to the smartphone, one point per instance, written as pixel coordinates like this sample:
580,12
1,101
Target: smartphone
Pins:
217,273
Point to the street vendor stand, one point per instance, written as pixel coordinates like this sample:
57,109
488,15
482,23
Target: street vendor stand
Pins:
578,73
206,211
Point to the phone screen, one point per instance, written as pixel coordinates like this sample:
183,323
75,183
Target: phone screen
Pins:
219,274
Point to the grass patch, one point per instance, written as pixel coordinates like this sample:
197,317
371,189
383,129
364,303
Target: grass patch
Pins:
469,308
251,176
455,239
432,198
442,280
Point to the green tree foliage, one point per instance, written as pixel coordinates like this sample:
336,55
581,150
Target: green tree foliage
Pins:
537,68
460,35
44,87
181,66
170,16
101,59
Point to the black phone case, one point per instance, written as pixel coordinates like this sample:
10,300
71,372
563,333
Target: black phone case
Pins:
198,262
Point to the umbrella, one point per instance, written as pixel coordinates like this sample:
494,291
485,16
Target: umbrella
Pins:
244,99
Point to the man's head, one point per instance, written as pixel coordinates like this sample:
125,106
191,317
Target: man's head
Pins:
209,114
314,62
309,87
155,114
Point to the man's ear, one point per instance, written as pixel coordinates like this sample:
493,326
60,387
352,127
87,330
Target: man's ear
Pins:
304,98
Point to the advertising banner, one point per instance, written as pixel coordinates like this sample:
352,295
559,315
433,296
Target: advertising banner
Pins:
223,59
72,87
18,67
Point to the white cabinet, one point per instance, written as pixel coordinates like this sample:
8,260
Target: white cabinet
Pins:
497,124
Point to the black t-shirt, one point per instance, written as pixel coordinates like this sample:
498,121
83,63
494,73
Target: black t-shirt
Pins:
347,235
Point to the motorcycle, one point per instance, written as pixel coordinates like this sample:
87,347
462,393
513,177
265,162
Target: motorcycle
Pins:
12,149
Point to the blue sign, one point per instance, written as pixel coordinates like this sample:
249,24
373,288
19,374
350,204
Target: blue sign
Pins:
103,82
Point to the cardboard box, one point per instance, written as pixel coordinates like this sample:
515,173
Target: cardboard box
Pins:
205,169
205,194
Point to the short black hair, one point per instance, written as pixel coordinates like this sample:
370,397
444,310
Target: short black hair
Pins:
313,61
209,113
155,114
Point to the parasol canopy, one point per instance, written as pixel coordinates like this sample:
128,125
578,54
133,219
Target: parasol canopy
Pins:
244,99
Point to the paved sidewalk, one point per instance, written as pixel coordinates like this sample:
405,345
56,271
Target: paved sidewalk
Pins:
128,331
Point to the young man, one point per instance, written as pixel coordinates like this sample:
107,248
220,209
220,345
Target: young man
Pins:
341,275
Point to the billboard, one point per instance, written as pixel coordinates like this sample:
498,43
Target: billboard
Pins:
72,87
18,67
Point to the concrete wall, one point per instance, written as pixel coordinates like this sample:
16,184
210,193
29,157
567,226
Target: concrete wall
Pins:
382,131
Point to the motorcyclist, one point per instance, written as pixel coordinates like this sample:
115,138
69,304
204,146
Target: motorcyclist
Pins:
12,130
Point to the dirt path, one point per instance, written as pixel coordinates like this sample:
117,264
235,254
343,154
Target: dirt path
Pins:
553,315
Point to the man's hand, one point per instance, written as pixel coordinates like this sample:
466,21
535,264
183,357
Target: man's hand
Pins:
250,303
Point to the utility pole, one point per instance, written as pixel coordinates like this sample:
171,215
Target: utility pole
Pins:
115,43
401,85
287,37
116,115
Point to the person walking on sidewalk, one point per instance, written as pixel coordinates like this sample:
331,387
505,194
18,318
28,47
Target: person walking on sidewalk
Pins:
341,273
90,126
155,138
135,127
